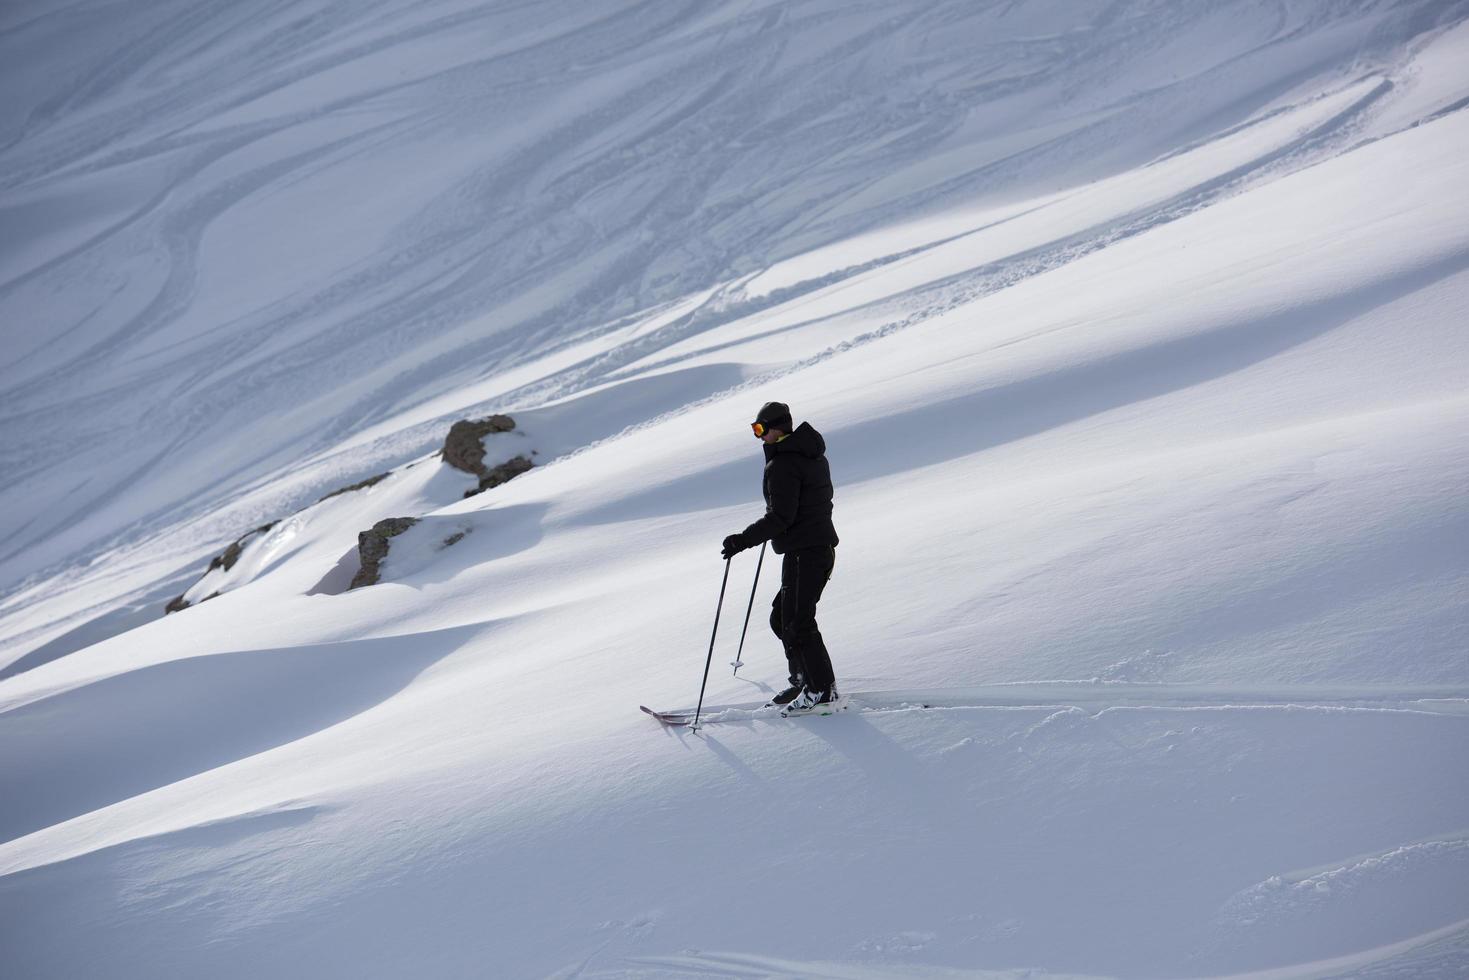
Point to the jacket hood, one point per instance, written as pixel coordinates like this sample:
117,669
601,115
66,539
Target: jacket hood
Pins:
805,440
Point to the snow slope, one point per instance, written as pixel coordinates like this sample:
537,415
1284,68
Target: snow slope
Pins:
1136,337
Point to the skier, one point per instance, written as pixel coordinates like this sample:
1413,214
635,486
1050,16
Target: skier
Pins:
797,523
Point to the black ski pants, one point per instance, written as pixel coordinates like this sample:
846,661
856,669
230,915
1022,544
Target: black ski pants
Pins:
803,576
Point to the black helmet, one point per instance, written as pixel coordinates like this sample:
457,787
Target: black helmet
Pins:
775,415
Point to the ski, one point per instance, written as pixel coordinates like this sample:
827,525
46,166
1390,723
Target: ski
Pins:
1089,695
673,718
759,710
685,719
830,708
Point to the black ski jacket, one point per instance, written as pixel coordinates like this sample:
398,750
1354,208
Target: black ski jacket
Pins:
798,494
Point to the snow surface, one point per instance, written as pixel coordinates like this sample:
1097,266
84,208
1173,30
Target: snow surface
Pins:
1136,332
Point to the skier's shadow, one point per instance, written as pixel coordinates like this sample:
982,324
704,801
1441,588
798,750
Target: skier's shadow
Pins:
734,762
895,774
760,686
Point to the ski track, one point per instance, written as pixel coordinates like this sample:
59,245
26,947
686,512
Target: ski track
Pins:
1098,697
439,275
1436,955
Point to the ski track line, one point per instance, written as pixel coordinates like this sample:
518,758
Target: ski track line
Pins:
1436,953
933,299
1425,700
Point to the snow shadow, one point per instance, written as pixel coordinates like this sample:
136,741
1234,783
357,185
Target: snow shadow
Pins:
992,417
730,484
440,547
587,417
874,448
926,795
44,901
114,621
125,735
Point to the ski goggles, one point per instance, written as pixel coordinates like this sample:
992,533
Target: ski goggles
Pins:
759,428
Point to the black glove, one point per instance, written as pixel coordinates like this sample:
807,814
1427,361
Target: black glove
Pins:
733,545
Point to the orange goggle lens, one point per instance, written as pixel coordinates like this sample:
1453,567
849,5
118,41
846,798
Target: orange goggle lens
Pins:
758,429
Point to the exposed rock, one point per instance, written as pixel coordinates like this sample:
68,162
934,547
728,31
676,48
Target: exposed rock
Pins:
359,485
232,553
180,604
225,560
372,548
464,447
505,472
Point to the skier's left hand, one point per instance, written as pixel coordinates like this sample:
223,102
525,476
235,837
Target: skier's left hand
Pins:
733,545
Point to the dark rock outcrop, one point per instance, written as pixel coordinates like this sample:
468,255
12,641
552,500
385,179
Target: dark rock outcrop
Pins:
503,473
359,485
232,553
464,447
372,548
180,604
224,560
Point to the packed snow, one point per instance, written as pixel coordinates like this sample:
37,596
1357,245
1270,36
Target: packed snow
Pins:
1136,335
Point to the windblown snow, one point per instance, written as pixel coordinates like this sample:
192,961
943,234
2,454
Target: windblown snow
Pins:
1136,332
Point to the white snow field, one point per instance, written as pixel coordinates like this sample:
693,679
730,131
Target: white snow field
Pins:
1137,334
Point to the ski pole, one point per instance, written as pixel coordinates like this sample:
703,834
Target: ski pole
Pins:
710,659
737,663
